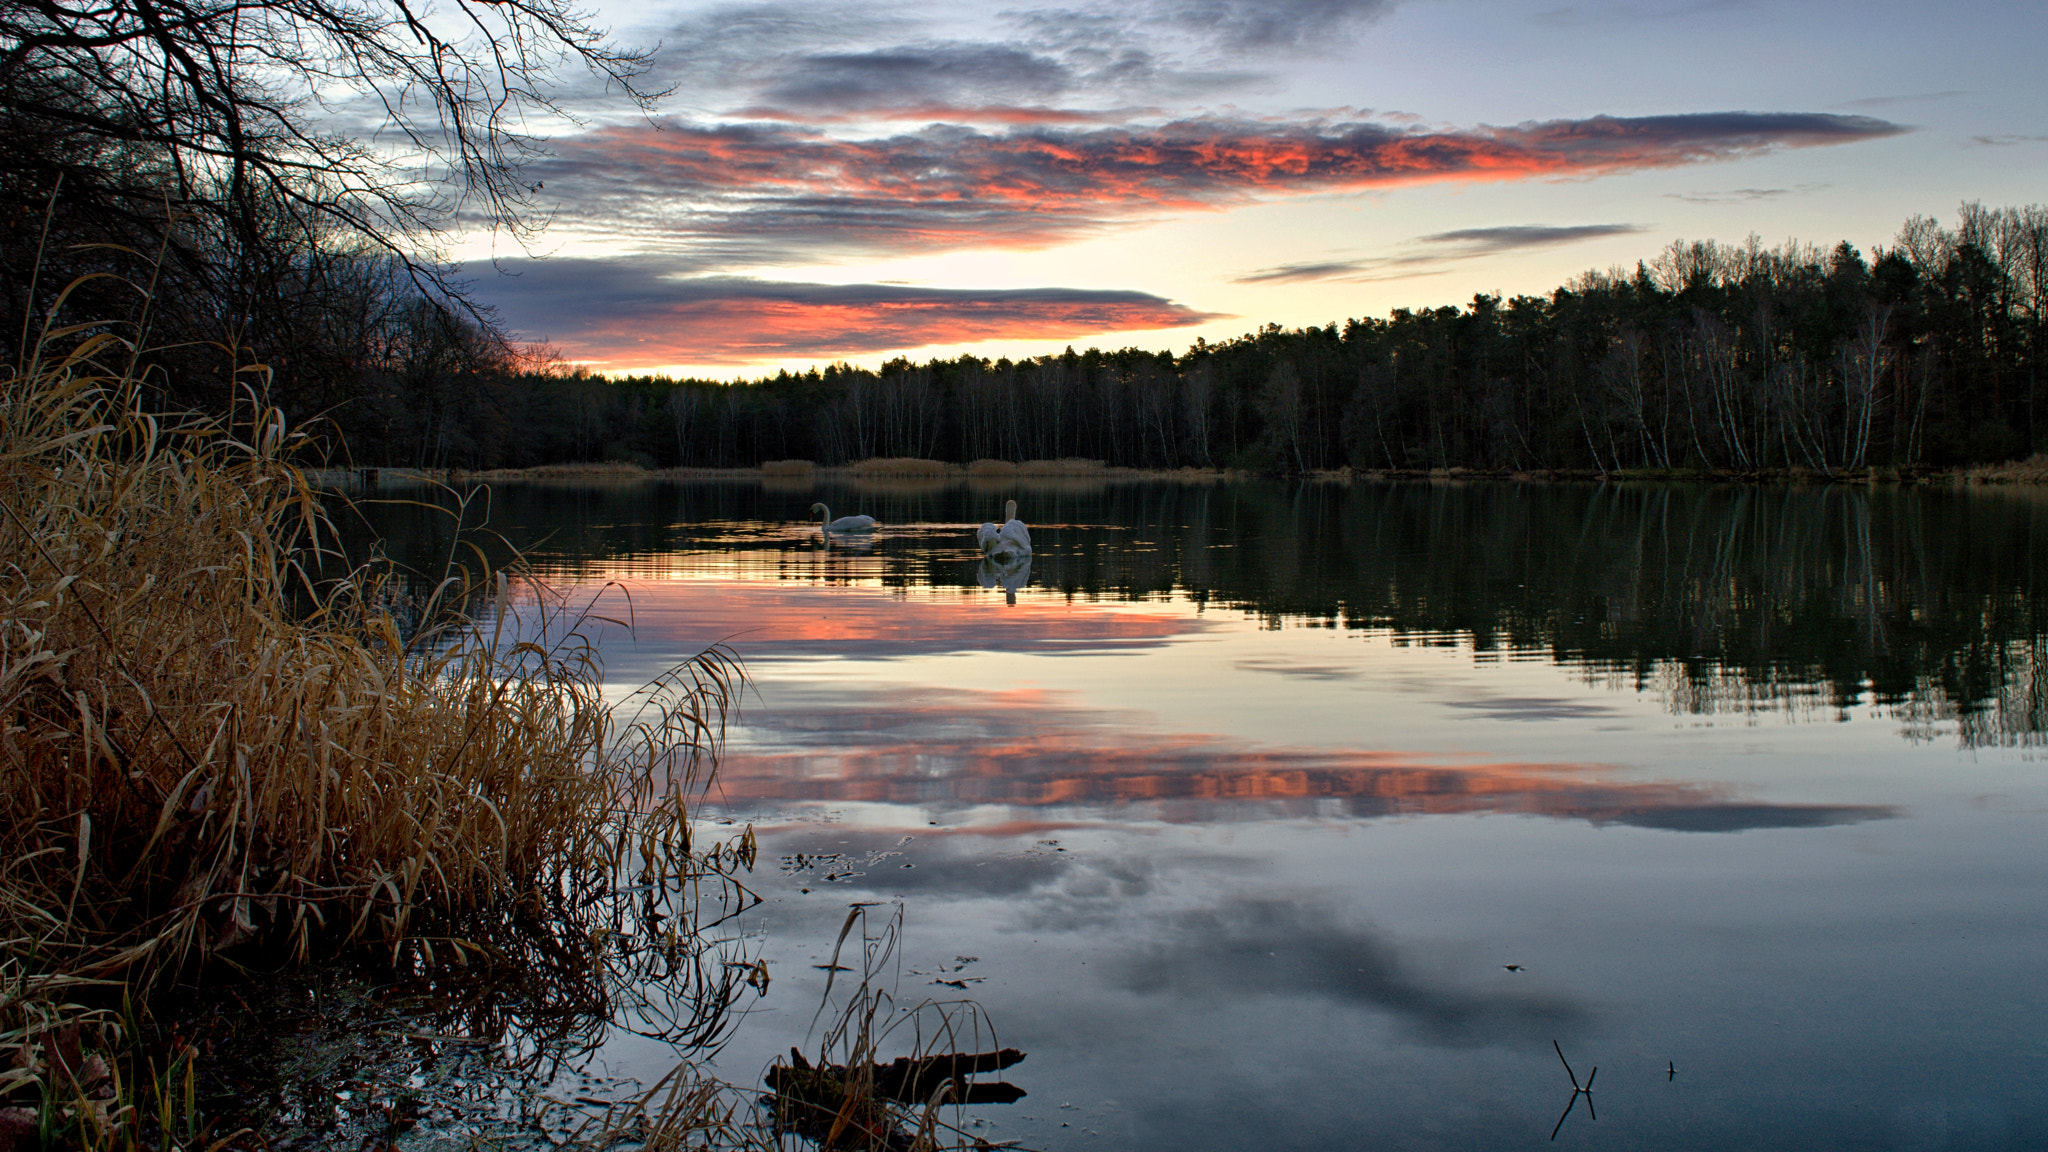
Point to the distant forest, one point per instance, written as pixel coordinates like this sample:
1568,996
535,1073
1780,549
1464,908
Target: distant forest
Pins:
1729,359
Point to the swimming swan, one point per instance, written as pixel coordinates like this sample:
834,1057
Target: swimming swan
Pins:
844,523
1012,539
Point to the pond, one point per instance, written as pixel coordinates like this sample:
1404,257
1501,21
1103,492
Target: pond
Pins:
1308,816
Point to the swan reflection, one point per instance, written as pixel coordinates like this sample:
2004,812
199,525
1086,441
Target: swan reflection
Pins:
1006,572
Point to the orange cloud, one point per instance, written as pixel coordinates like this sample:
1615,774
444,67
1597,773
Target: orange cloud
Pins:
627,312
1024,750
772,621
1198,777
769,188
1033,749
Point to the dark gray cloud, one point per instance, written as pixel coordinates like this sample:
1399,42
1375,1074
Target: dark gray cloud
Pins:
1254,946
2008,139
937,78
1160,49
1744,195
1438,249
635,309
1737,817
1533,708
737,46
1311,270
1701,134
1295,25
1507,238
831,62
1094,894
1297,671
1913,98
1634,12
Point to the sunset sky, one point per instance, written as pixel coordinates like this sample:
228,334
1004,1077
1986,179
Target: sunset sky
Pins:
863,181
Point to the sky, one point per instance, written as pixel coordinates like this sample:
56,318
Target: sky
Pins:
859,182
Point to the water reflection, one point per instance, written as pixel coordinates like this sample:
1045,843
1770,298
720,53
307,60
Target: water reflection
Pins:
1265,946
1720,599
1027,749
1008,572
492,1040
1305,816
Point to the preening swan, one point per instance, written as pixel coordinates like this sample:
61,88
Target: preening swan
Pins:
1012,539
844,523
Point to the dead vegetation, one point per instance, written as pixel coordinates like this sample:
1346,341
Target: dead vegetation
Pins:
2032,470
847,1099
217,758
209,757
899,466
593,470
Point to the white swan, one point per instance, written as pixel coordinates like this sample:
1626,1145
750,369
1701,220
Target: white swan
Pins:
844,523
1011,540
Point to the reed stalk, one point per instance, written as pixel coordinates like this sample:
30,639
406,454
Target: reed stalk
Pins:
211,755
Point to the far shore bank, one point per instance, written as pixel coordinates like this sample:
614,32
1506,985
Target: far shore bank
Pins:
797,473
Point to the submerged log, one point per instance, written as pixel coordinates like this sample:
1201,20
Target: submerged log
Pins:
908,1079
821,1101
913,1080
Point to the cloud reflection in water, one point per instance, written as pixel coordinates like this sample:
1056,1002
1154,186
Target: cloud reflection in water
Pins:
1024,749
1260,945
871,623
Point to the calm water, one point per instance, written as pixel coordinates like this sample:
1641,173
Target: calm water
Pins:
1233,810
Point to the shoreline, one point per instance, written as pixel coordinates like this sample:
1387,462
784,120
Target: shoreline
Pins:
2032,471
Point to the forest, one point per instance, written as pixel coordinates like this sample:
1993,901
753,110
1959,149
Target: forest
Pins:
1728,359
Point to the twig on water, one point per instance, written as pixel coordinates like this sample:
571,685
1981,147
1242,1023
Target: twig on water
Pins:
1577,1091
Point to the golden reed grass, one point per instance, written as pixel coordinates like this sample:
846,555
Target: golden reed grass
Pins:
2032,470
208,754
899,466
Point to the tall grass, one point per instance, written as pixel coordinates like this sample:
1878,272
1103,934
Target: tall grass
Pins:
899,466
209,756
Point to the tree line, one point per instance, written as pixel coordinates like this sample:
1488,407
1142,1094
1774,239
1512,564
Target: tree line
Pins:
1732,359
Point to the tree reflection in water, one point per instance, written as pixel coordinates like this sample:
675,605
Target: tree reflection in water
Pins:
1721,598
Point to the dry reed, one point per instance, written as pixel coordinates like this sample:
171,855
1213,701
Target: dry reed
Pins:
899,466
206,754
847,1098
1065,466
588,470
786,467
2032,470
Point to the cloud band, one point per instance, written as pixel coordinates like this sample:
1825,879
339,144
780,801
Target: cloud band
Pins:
632,312
769,192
